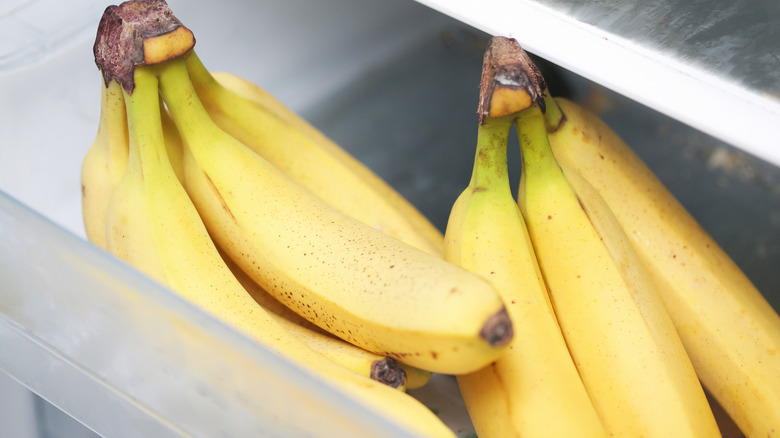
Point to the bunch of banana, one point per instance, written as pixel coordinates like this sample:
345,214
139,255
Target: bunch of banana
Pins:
169,191
534,389
620,335
730,331
628,356
151,222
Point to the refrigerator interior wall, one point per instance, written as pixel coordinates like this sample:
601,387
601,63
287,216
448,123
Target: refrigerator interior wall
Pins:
396,84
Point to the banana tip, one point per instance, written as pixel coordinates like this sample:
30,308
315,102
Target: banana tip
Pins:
388,371
497,330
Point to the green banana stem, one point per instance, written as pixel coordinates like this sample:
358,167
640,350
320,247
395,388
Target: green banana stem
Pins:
490,161
537,155
553,114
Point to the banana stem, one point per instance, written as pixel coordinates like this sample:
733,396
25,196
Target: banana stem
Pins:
537,155
115,120
180,95
490,162
144,121
553,114
199,74
137,33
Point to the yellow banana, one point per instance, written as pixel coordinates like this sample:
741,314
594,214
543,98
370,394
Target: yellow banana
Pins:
383,369
380,368
153,225
173,143
354,281
265,299
414,377
534,389
106,160
730,331
104,163
620,335
299,150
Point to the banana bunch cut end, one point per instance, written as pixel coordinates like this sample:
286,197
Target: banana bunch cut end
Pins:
511,82
138,32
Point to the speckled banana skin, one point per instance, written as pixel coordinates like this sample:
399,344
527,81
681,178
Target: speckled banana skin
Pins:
620,335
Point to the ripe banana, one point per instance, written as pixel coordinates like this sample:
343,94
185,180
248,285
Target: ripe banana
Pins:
354,281
173,143
104,163
383,369
414,377
730,331
620,335
375,366
534,389
153,225
299,150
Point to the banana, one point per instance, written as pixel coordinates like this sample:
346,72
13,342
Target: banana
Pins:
416,377
153,225
620,335
383,369
173,142
106,160
380,368
352,280
290,143
534,389
104,163
730,331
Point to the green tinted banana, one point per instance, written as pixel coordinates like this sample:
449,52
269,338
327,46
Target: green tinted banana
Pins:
352,280
299,150
104,163
619,333
415,377
730,331
153,225
534,389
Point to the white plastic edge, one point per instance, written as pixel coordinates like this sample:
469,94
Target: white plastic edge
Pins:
723,110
